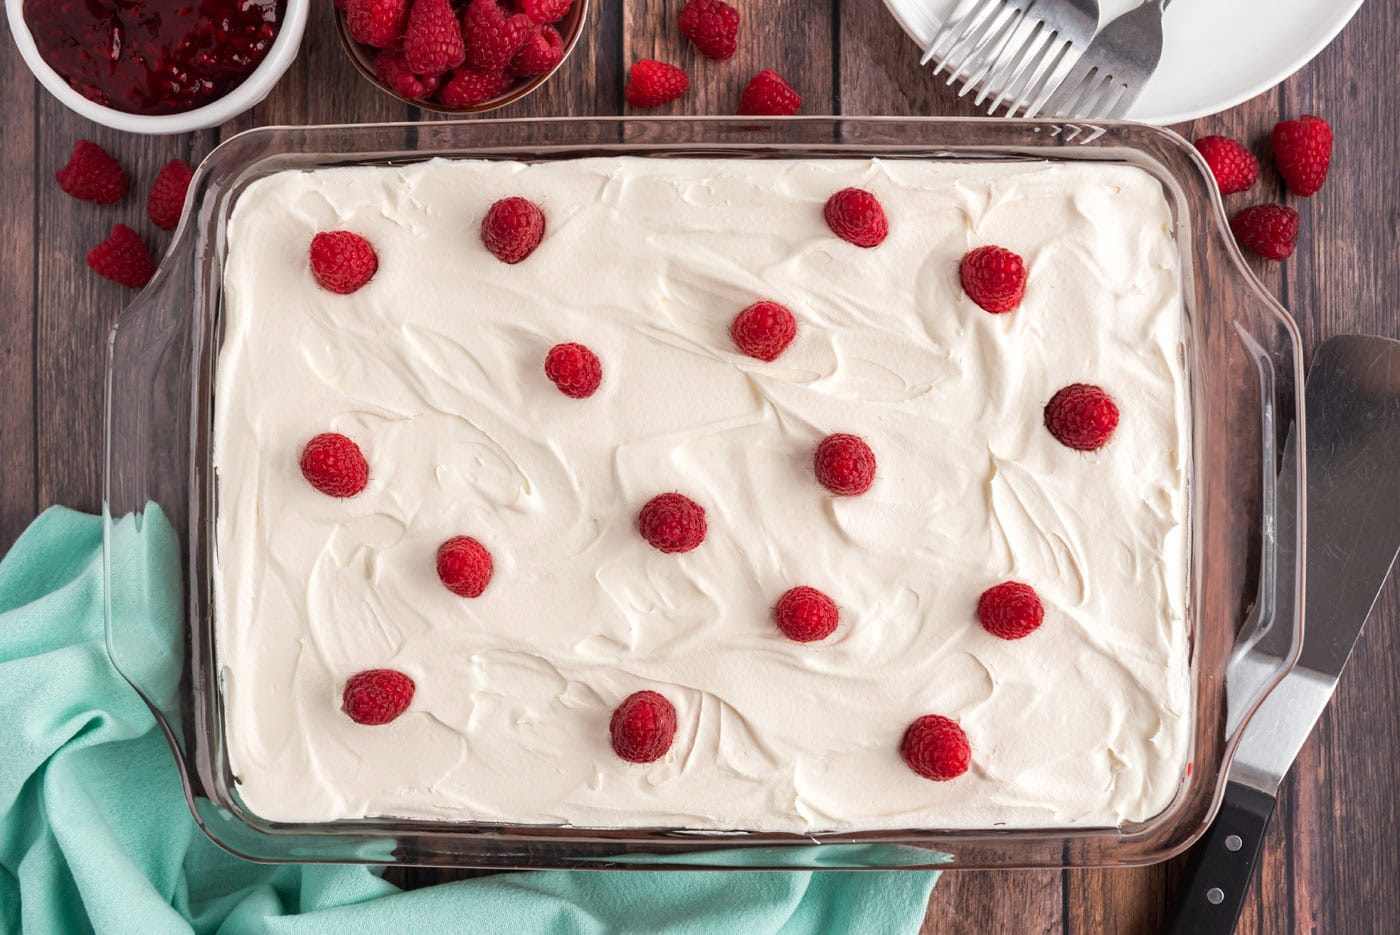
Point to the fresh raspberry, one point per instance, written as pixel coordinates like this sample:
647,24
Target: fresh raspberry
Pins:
334,465
93,174
845,465
712,25
805,615
391,69
574,369
855,215
652,83
672,522
1010,610
643,727
512,229
493,36
380,23
470,88
540,53
1269,230
341,261
994,278
377,696
1234,167
167,198
1303,151
763,330
464,566
546,11
123,258
768,95
936,748
1081,416
432,43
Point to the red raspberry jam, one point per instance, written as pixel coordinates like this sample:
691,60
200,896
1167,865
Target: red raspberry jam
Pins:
153,56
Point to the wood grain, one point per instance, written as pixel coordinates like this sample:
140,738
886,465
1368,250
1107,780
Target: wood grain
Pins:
1332,855
19,470
792,37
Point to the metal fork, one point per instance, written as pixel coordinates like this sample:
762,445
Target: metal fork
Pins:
1015,52
1112,72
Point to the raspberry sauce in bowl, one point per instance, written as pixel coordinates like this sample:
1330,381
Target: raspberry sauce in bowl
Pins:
154,57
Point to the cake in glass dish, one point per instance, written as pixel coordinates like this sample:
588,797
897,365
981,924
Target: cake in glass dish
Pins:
767,495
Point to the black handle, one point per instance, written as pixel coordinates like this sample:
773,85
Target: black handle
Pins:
1218,874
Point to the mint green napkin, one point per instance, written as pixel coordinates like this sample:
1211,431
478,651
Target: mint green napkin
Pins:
95,834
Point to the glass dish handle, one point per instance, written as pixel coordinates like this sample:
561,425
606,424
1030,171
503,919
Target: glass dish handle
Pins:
1271,638
144,504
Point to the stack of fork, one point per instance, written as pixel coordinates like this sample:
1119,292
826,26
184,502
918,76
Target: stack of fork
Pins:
1049,57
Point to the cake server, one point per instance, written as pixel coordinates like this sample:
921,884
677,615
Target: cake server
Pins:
1352,454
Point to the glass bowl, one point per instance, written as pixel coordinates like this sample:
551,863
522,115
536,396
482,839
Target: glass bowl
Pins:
570,29
1244,367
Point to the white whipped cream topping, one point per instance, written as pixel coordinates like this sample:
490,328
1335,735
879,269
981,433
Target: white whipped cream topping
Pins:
436,369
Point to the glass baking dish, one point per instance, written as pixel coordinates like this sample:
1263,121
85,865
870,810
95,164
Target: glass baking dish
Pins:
1244,365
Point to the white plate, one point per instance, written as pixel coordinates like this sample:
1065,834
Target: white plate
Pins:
1217,53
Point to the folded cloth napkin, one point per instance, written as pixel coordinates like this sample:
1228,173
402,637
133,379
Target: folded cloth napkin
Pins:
95,834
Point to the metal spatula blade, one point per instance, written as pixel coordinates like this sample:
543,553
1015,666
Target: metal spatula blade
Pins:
1353,533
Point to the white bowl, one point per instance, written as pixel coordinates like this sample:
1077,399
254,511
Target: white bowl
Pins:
253,89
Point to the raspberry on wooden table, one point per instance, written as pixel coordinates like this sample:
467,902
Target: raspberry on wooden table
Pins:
1303,151
805,614
844,464
123,258
433,43
856,216
1269,230
712,25
574,369
642,727
540,53
469,88
936,748
1010,610
994,278
512,229
380,23
464,566
377,696
1081,416
672,522
768,95
93,174
166,201
334,465
492,35
651,83
1234,167
392,69
342,261
546,11
763,330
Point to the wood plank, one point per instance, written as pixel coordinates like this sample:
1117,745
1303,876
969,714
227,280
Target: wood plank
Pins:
75,307
1026,902
880,71
792,37
18,455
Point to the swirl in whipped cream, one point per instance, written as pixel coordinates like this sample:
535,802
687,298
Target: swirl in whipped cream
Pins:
436,369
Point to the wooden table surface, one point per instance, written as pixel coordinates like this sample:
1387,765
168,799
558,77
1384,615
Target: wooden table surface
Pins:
1332,858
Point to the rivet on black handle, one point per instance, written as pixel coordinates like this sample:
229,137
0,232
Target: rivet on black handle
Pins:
1222,864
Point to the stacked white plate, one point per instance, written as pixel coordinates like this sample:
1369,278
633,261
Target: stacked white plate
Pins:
1217,53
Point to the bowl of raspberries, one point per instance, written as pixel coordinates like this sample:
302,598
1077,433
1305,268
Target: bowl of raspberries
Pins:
459,56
